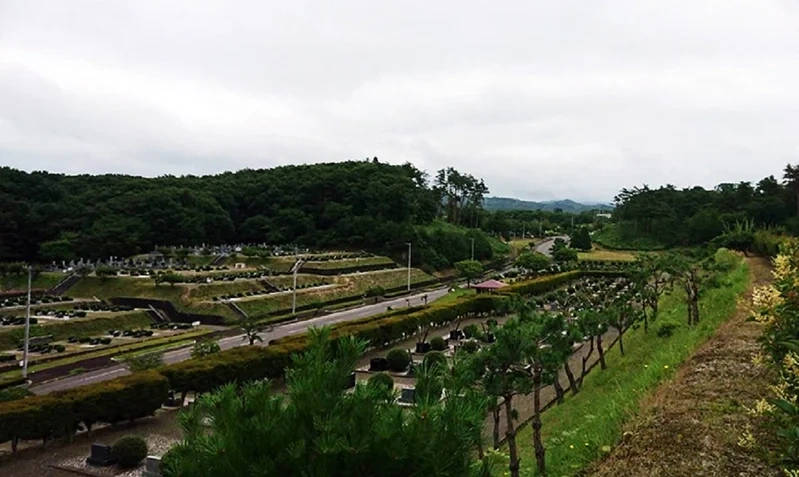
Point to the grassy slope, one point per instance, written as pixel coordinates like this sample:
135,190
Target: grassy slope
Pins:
348,263
10,338
20,282
103,288
353,285
576,432
499,247
611,236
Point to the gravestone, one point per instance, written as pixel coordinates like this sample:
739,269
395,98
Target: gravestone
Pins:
350,381
152,467
407,395
100,455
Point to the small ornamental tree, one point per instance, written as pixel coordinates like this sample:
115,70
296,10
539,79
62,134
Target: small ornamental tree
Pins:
581,239
104,271
129,451
469,269
252,330
533,261
398,360
565,254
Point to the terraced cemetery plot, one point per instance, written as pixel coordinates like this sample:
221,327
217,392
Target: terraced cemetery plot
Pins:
347,286
276,264
179,295
10,337
348,263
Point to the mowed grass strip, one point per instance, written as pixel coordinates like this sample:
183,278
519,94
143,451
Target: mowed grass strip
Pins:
610,255
576,432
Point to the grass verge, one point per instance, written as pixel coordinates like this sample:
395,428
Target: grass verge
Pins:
587,425
611,255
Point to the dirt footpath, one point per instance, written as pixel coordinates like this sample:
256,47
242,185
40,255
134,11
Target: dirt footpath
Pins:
691,426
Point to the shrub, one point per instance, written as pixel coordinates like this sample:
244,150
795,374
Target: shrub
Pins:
437,343
145,361
470,331
398,360
382,380
434,358
725,260
470,346
204,348
667,329
129,451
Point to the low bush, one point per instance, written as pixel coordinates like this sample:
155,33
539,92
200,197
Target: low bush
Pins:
129,451
434,358
667,328
470,331
382,380
398,360
438,344
470,346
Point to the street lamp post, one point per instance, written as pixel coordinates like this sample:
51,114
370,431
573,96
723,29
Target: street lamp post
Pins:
294,288
27,328
409,266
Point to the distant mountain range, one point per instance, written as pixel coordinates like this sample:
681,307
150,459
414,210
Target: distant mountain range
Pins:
506,203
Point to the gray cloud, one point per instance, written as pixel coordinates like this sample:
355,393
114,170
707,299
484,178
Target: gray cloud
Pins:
543,99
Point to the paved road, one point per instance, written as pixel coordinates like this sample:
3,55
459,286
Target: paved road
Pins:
545,247
279,331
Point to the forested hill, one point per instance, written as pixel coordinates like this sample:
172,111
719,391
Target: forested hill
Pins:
359,204
506,203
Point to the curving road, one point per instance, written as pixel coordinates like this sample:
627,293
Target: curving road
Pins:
278,331
545,247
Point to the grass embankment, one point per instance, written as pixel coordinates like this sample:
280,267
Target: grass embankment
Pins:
588,424
353,285
609,255
179,295
44,280
276,264
150,344
348,263
89,326
613,236
456,295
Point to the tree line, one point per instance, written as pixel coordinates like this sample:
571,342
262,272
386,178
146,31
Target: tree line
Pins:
353,205
695,215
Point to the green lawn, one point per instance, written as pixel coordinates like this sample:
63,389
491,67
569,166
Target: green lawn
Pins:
20,282
611,255
585,426
456,295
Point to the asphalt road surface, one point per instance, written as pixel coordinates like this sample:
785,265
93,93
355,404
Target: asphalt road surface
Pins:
279,331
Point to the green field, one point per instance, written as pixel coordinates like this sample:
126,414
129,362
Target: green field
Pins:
583,428
353,285
89,326
20,282
609,255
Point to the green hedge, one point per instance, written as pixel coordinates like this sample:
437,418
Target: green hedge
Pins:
57,414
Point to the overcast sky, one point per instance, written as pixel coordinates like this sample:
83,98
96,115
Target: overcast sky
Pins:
544,99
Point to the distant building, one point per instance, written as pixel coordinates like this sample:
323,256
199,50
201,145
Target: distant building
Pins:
603,215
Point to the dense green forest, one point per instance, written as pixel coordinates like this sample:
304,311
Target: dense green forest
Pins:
355,204
668,216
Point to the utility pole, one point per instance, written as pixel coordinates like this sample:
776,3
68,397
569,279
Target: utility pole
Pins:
409,266
27,328
294,288
523,230
472,248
